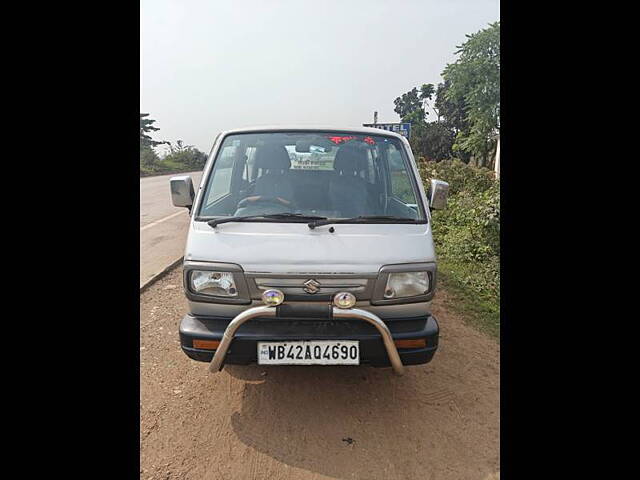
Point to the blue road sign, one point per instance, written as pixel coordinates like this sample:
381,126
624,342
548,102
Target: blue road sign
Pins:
403,129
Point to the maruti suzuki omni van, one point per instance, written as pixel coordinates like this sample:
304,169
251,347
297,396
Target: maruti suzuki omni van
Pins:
309,246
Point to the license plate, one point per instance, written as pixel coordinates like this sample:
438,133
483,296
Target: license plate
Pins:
309,352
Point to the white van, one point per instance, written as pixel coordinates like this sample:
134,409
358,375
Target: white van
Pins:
309,246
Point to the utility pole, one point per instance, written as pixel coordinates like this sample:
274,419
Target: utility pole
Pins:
375,118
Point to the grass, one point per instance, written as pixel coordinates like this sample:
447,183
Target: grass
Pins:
482,311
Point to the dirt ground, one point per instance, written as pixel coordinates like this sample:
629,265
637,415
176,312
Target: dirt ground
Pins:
439,421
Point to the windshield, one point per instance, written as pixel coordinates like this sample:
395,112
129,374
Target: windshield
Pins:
335,175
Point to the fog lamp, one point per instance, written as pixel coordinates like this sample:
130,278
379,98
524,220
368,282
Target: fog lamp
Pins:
272,298
344,300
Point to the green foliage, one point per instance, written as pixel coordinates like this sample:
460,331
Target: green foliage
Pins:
469,229
146,126
467,104
474,81
181,158
186,155
426,92
148,157
434,140
482,310
411,106
453,118
450,110
460,176
467,236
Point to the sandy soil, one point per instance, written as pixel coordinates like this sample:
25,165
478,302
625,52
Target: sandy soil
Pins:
439,421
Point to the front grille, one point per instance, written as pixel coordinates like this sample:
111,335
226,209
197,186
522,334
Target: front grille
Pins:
324,286
312,287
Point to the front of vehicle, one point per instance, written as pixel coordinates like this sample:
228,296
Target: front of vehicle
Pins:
310,246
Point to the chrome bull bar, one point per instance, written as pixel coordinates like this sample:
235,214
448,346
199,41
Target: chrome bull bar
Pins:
263,311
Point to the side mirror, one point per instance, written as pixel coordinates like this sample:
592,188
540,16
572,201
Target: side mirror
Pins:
182,193
438,194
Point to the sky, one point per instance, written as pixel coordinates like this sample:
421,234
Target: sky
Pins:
209,66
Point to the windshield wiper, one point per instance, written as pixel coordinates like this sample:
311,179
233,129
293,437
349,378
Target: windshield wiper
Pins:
217,221
362,218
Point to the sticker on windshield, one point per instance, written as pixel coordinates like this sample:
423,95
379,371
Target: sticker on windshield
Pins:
340,139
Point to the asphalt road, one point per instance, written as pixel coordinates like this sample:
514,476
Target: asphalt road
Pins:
163,227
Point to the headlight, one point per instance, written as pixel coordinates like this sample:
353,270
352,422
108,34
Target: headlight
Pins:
406,284
209,282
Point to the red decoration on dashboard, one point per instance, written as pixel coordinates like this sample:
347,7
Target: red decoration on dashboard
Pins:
337,140
369,140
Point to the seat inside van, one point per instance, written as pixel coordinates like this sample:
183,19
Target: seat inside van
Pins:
347,189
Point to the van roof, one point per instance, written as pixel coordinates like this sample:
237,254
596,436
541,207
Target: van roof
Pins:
281,128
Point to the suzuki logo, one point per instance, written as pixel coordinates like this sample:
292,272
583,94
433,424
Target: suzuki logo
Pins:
311,286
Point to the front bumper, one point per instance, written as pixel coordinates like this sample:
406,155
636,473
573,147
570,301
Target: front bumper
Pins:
373,351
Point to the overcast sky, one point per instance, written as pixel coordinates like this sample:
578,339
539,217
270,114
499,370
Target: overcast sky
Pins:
208,66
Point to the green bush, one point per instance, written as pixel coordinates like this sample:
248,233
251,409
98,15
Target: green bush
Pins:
467,235
189,157
180,159
148,157
459,175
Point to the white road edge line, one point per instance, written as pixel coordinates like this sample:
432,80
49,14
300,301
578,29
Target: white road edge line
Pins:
153,224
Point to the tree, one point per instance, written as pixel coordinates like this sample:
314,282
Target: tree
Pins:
146,126
411,106
426,94
179,147
429,139
473,80
435,141
181,154
452,115
148,158
451,111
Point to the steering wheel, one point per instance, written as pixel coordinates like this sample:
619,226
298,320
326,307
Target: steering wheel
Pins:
263,199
